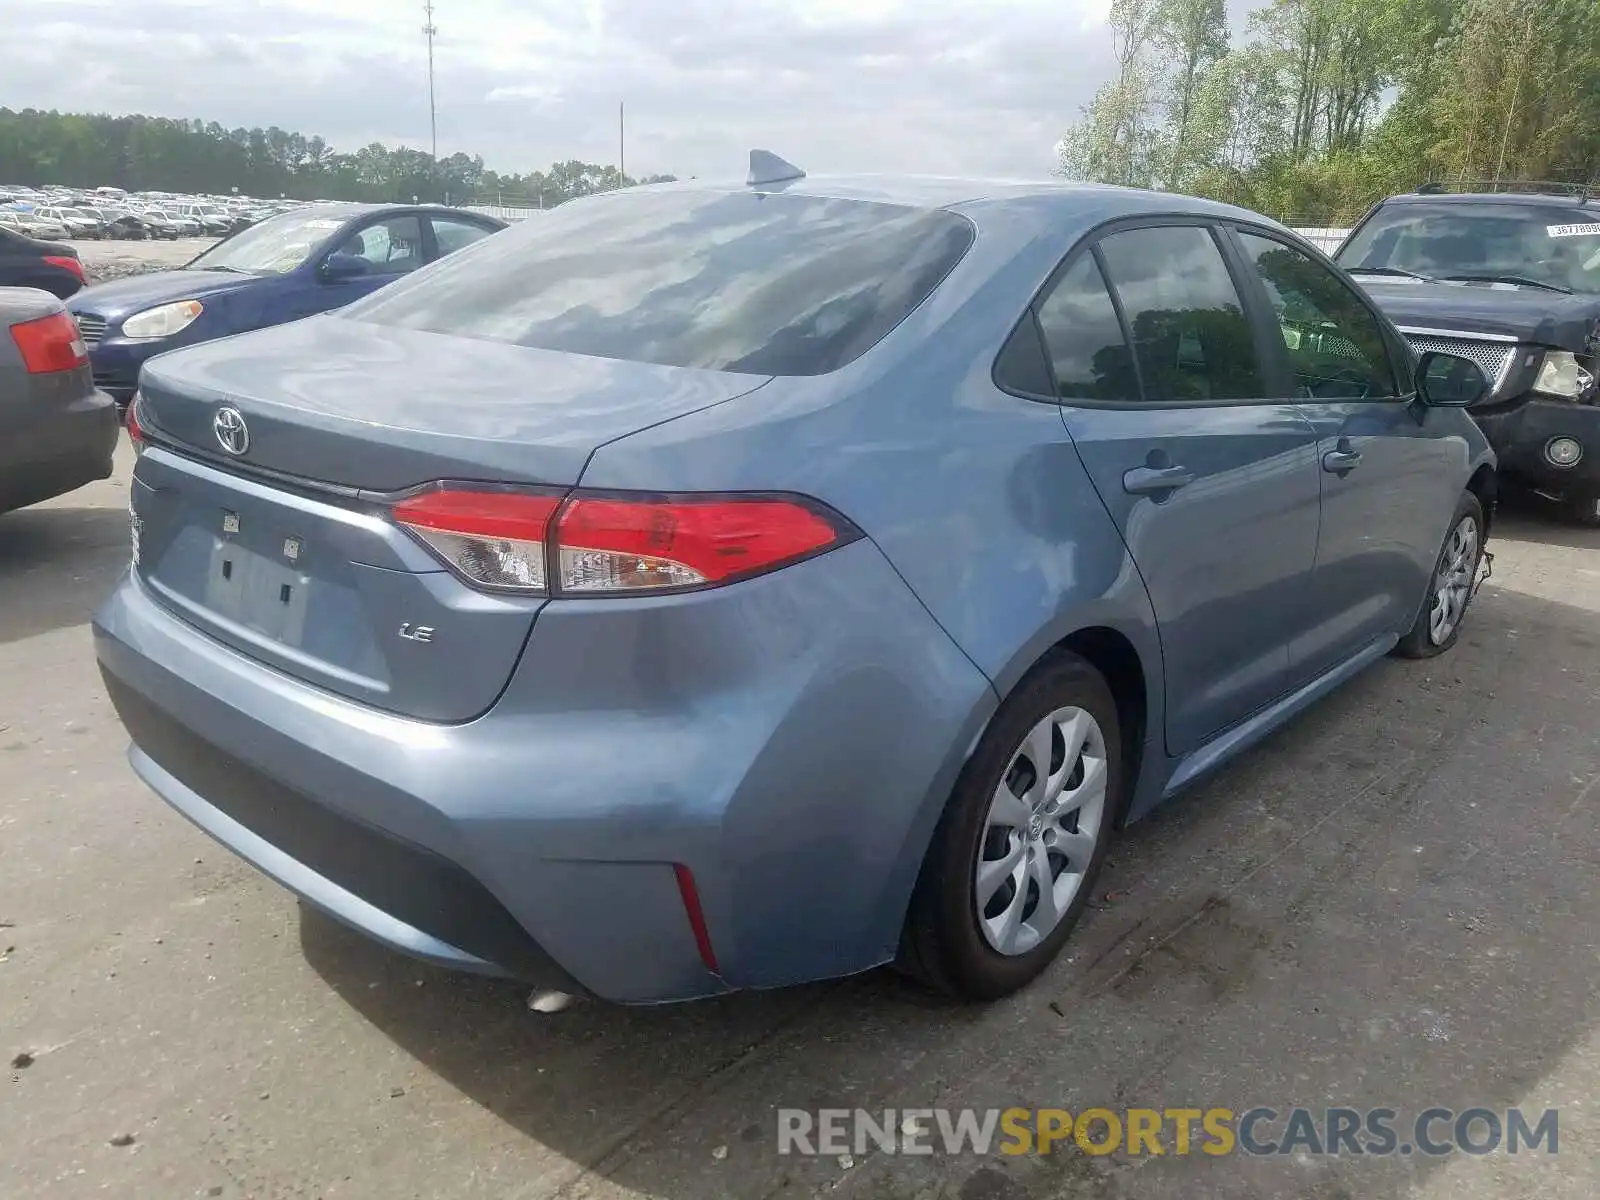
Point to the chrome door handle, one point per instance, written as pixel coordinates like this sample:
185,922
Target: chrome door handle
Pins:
1142,481
1339,461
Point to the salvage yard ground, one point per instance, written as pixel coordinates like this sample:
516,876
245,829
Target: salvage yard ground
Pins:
1393,902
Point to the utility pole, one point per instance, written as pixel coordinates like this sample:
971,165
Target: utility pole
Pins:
622,144
429,30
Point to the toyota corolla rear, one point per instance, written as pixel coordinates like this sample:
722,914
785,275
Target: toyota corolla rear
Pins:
379,638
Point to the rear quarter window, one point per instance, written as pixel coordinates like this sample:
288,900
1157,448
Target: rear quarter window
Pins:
765,283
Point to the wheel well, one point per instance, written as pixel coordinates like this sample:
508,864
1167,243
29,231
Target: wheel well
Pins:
1485,485
1113,655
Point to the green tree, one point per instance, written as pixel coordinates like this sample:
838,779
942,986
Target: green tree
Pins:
1193,35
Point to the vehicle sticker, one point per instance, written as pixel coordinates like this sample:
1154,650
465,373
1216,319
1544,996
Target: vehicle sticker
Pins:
1588,230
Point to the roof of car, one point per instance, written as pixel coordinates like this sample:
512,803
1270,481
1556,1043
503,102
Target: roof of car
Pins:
352,208
1534,199
1044,200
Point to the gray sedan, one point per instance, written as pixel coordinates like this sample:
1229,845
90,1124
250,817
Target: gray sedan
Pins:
57,432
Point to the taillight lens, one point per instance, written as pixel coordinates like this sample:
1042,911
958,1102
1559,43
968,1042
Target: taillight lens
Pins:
615,544
130,422
67,263
50,344
496,539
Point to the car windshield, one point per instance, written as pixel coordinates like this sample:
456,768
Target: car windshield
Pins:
770,284
1539,245
274,247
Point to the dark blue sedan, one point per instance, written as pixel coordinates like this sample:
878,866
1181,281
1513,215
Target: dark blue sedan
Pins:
294,265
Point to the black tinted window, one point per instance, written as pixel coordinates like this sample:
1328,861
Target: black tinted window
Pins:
1088,354
1334,342
766,283
1022,365
1189,329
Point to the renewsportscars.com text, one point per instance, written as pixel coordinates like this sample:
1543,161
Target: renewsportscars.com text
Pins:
1218,1132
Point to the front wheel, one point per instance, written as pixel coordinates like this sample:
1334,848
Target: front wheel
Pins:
1451,588
1014,858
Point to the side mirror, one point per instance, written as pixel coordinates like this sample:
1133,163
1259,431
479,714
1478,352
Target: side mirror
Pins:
338,267
1450,381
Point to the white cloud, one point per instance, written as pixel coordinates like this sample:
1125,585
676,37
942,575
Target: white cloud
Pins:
938,86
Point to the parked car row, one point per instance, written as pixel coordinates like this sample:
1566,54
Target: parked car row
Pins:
112,213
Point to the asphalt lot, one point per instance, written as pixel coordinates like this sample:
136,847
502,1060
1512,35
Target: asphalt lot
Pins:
1391,903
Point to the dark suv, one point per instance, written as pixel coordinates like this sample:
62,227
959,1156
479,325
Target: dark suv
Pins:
1510,280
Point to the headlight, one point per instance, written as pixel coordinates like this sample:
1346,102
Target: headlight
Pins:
163,320
1563,375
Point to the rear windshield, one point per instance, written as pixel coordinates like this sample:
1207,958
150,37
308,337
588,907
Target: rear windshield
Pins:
765,283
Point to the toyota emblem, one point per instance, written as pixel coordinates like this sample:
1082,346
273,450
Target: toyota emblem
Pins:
233,435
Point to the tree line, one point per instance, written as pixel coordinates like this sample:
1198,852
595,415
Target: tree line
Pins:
1324,106
139,153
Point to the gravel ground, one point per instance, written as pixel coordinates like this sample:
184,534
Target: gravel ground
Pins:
114,260
1392,902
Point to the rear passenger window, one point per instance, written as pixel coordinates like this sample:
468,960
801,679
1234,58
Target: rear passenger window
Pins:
1190,335
1088,354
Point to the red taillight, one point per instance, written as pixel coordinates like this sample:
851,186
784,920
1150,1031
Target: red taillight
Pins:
493,538
50,344
130,422
609,544
67,263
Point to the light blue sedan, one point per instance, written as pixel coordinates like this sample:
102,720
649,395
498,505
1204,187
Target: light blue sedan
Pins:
709,587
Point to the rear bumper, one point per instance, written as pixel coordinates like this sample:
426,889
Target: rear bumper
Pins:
1520,436
64,450
789,740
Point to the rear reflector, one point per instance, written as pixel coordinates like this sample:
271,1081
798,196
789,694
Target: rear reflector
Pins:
67,263
696,915
50,344
616,544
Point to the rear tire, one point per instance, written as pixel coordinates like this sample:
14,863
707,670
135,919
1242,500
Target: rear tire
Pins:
1450,586
981,924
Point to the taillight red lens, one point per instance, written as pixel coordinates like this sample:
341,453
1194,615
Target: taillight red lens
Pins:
50,344
612,545
130,422
493,538
67,263
609,544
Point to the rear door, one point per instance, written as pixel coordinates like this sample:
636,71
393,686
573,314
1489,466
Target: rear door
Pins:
1382,464
1159,365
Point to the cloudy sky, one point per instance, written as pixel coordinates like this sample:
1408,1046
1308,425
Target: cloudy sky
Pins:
935,86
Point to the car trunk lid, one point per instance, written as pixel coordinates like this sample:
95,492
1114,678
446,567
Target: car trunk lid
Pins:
286,552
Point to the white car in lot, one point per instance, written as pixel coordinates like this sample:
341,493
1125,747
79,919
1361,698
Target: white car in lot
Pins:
77,224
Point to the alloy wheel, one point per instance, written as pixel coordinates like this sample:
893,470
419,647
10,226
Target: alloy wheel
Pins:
1452,585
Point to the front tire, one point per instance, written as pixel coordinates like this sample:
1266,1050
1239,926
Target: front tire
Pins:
1014,858
1451,586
